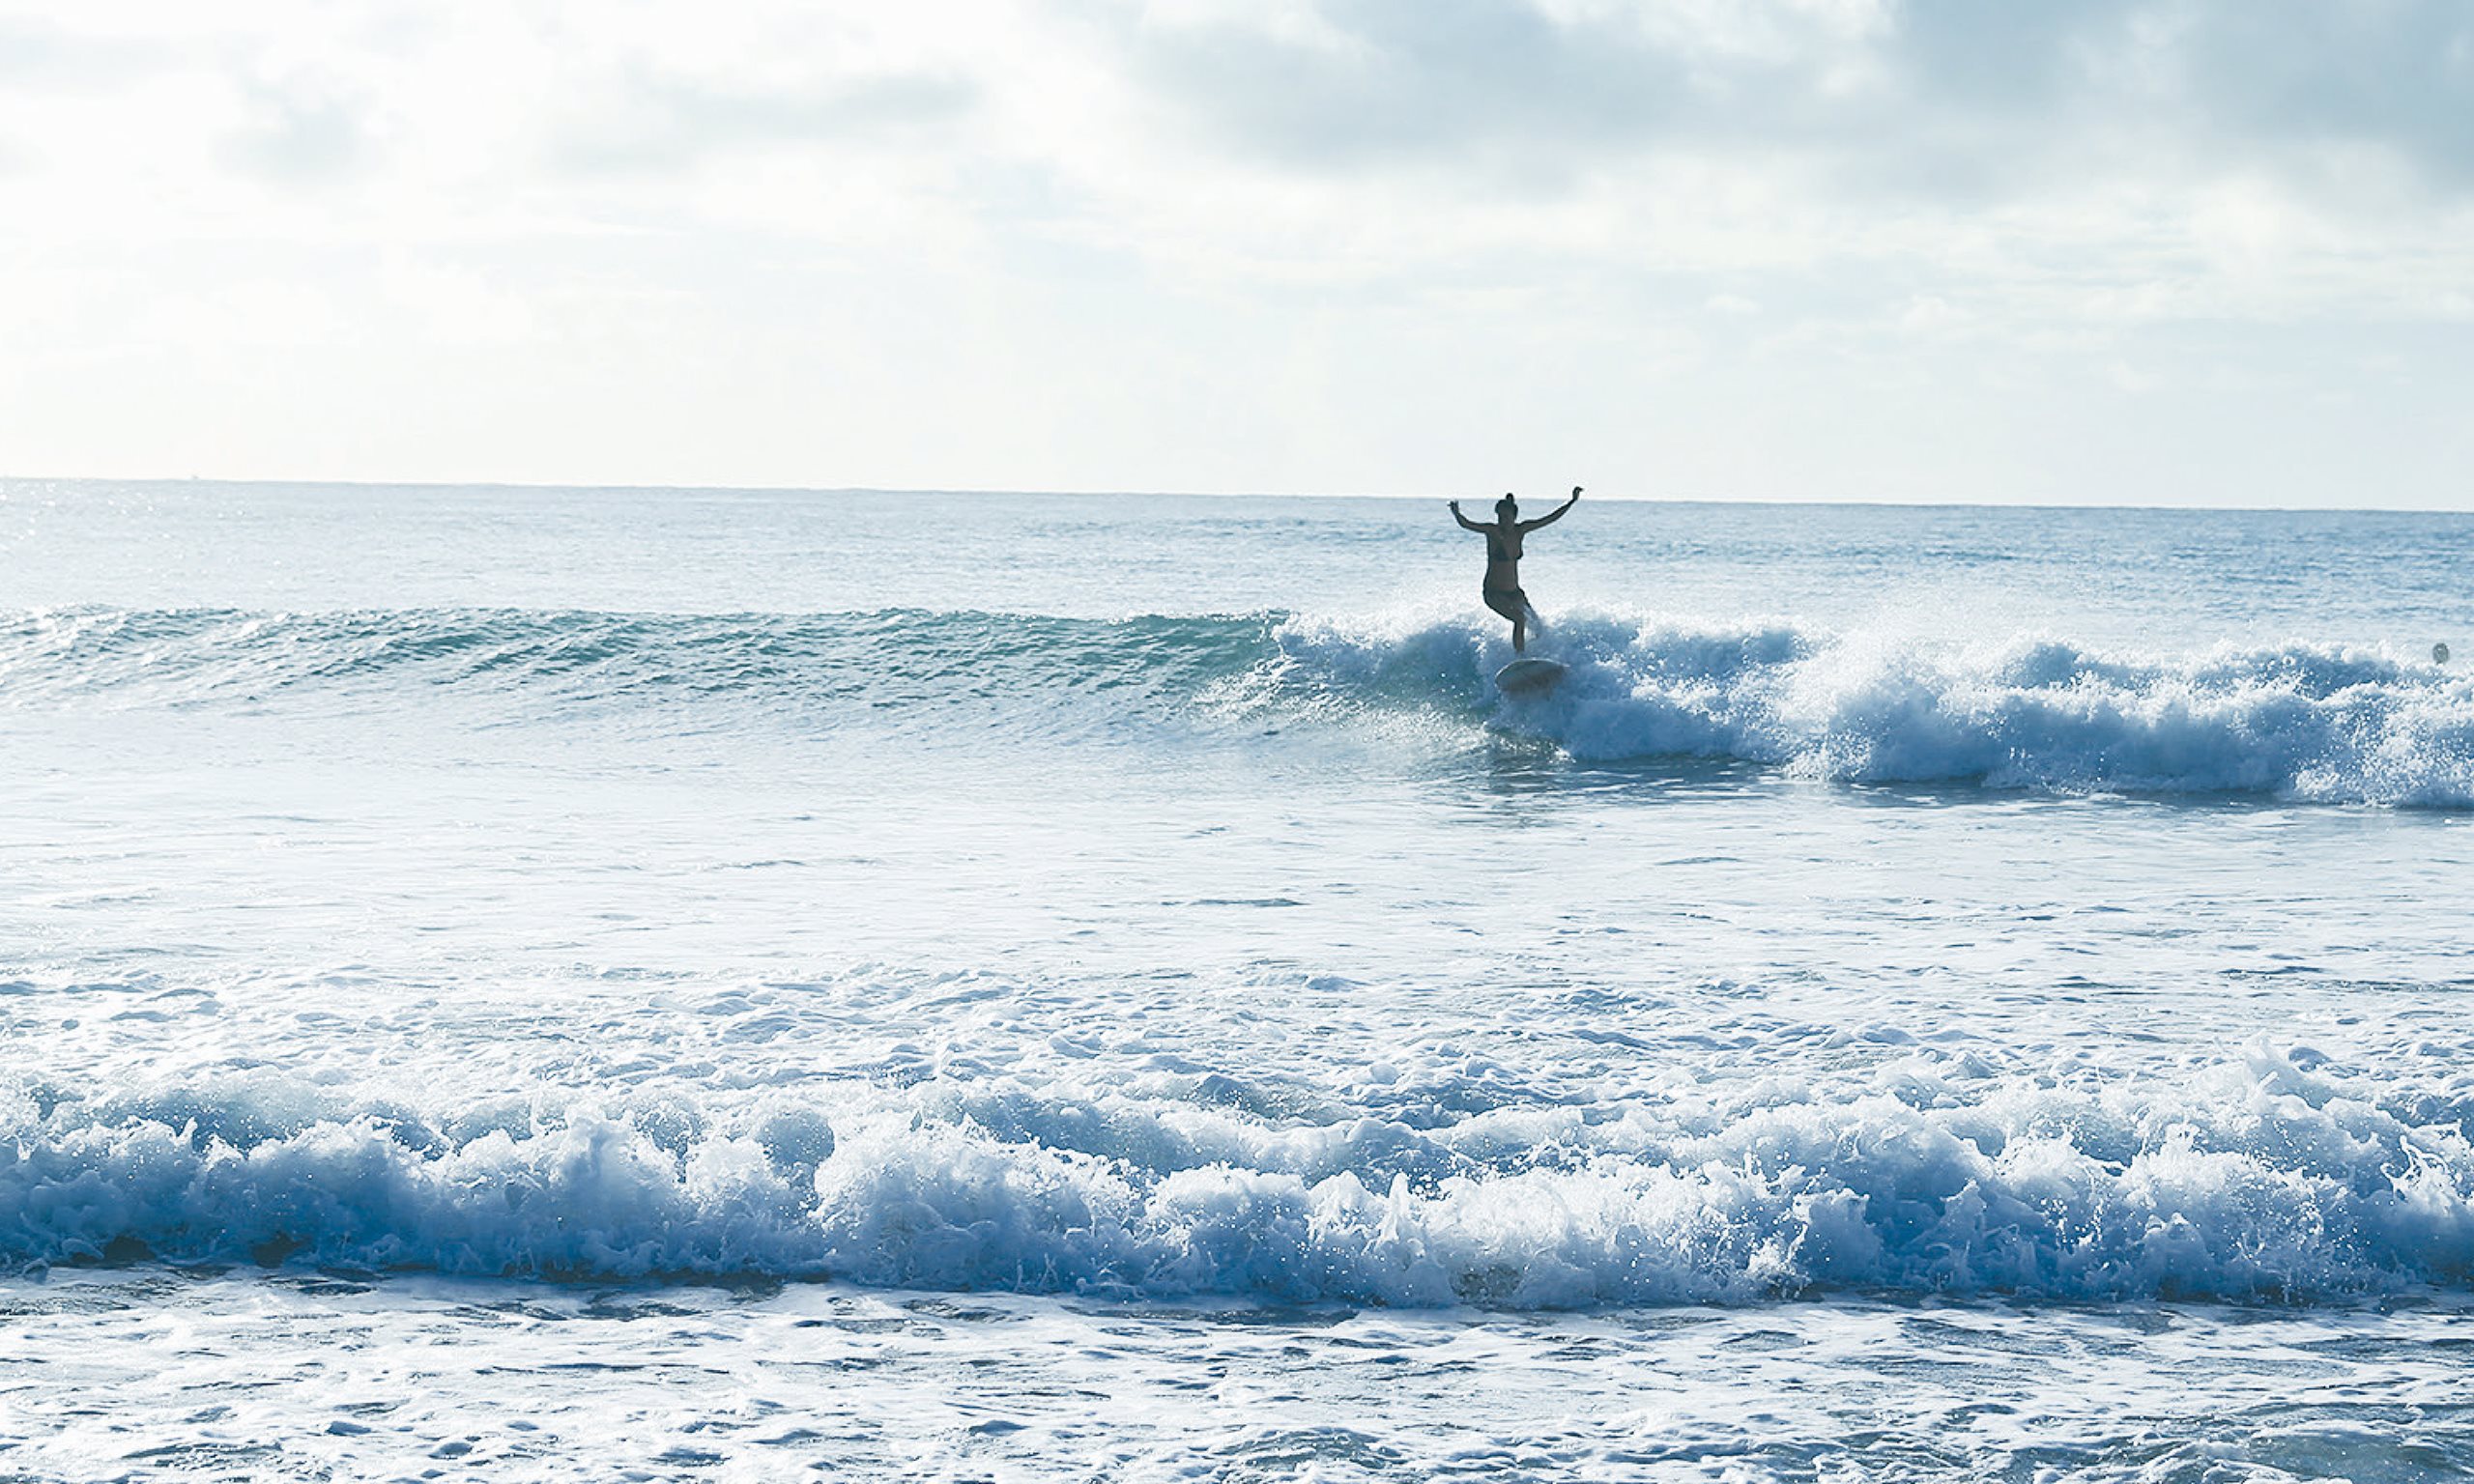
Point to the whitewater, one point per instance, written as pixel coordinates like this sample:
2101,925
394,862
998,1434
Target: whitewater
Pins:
695,983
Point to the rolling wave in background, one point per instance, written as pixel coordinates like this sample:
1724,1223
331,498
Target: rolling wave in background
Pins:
2303,722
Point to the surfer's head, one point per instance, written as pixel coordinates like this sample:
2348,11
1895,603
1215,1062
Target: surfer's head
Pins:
1507,510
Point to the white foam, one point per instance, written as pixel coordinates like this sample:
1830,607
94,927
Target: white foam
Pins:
2259,1178
2303,721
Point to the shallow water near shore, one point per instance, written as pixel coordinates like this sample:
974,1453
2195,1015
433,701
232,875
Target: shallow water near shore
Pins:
327,1375
1026,987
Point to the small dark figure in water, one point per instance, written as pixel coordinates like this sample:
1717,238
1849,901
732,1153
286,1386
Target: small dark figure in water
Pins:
1503,591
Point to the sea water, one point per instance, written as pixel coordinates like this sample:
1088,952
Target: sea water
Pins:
557,984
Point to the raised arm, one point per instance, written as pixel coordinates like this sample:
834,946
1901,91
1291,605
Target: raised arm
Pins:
1555,514
1466,523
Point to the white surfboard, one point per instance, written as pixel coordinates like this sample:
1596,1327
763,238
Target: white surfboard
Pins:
1528,677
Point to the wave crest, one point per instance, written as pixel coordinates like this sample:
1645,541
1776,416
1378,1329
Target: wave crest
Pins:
2260,1180
2308,722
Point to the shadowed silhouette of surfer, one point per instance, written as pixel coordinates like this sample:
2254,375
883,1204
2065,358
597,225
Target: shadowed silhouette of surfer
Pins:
1502,590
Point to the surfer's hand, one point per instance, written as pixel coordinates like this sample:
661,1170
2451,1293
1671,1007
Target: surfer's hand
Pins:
1455,505
1576,492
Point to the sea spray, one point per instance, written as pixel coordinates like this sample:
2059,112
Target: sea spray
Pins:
2258,1179
2328,724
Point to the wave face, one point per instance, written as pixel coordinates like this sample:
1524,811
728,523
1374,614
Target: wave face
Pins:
894,665
2304,721
2258,1180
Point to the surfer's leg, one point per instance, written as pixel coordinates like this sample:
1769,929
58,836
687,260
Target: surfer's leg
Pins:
1514,605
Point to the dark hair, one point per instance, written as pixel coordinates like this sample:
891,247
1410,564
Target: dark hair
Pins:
1507,506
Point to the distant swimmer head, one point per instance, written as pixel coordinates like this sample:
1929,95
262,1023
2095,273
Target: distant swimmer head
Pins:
2440,654
1507,509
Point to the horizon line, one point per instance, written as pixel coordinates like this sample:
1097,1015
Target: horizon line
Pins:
1785,502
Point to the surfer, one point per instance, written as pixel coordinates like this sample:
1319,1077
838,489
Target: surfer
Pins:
1502,592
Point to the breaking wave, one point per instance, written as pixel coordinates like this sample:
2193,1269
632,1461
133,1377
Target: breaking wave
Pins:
2269,1179
2301,720
2306,722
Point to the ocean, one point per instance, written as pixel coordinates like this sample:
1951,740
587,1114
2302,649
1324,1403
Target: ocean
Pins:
719,985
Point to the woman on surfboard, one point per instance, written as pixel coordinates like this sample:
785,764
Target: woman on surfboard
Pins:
1502,592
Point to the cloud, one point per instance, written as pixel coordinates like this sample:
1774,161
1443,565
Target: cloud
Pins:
2391,74
1251,231
1937,97
300,135
651,120
1384,81
35,53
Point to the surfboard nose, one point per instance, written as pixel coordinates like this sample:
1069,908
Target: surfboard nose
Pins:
1528,677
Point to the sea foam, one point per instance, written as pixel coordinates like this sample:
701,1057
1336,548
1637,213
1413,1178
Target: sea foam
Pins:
2257,1179
2306,722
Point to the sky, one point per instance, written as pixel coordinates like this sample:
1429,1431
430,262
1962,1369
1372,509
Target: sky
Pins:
2112,251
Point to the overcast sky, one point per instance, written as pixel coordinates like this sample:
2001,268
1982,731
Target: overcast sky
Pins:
2151,251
